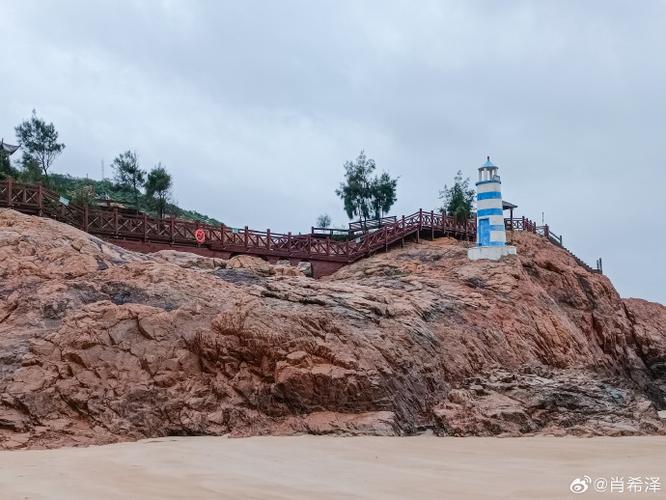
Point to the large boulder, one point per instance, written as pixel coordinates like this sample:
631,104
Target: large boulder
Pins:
98,344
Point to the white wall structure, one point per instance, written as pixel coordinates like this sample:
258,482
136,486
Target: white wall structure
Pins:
490,230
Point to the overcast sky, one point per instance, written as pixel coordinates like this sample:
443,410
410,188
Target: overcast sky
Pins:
255,106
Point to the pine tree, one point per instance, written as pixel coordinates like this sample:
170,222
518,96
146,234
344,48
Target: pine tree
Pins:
355,190
383,194
158,188
363,194
128,174
39,142
324,221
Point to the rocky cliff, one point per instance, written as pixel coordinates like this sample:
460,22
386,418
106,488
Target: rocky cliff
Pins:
98,344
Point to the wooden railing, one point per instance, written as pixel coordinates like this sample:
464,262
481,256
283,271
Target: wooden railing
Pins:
335,233
113,224
525,224
342,246
371,224
521,224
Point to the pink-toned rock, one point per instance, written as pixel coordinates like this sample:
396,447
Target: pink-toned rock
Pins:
190,260
98,344
249,262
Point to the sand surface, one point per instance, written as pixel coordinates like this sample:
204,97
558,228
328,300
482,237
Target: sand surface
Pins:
311,467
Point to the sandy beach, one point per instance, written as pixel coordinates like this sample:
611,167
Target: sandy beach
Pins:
306,467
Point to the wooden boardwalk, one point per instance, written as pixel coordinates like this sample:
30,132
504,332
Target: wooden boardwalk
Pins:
326,249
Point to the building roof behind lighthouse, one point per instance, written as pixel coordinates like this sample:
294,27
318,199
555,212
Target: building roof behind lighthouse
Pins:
7,148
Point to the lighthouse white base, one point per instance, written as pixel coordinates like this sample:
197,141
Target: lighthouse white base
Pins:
490,253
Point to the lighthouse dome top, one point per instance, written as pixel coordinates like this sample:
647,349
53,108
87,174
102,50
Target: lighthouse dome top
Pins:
488,163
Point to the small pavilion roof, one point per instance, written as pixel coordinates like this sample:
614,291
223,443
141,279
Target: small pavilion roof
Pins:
507,205
7,148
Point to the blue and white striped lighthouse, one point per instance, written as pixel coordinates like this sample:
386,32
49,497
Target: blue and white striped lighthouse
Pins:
490,231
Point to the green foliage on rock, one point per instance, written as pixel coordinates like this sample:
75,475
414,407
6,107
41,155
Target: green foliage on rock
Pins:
84,195
6,168
457,199
106,189
40,147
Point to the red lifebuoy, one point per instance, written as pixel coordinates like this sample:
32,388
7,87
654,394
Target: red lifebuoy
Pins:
200,236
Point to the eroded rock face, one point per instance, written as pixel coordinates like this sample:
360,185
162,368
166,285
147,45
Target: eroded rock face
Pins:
541,400
648,323
98,344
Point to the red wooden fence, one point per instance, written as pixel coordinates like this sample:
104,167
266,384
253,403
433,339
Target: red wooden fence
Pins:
362,238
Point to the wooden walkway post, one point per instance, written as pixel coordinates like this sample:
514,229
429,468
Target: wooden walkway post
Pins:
432,225
40,198
10,181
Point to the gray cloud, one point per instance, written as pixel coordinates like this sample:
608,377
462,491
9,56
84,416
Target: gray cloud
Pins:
254,106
